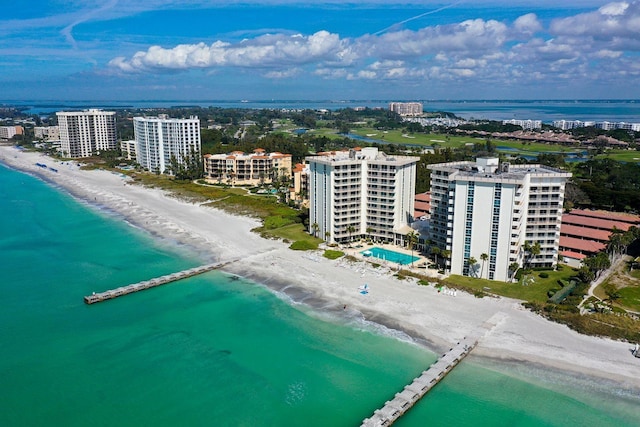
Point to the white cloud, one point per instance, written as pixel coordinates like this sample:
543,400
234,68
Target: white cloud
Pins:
284,74
264,51
606,53
367,74
474,50
527,24
614,20
332,73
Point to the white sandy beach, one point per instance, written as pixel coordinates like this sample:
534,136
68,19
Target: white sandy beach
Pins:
434,318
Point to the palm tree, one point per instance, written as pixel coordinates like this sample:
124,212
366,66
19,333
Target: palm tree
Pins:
513,268
369,231
532,251
435,251
412,238
350,229
471,262
315,227
446,254
484,257
535,251
327,234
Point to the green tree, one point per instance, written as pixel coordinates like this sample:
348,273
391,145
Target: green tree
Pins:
369,231
471,262
532,251
350,229
412,239
435,251
446,254
484,257
315,228
513,269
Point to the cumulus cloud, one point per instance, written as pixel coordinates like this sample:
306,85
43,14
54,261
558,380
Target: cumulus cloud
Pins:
527,24
265,51
619,19
476,49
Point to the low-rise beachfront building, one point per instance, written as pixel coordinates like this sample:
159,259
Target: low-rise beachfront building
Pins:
360,193
85,133
422,208
406,109
49,133
300,184
128,149
485,207
586,232
239,168
8,132
161,139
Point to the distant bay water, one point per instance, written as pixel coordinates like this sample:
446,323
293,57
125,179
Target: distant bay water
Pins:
212,350
545,110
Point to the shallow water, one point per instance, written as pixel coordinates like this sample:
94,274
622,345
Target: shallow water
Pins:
212,350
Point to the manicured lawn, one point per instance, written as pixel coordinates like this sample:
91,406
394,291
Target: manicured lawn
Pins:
514,147
629,156
332,254
294,233
630,297
534,292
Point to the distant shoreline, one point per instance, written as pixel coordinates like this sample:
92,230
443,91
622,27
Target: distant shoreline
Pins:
546,110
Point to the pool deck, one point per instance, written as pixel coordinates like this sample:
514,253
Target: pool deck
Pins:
357,252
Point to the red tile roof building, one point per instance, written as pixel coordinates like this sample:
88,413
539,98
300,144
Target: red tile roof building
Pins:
586,232
239,168
422,205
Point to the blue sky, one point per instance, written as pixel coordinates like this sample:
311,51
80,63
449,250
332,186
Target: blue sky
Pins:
331,50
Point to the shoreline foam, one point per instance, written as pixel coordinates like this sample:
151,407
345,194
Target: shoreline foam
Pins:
433,320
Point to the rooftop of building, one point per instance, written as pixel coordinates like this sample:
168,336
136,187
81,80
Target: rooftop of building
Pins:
423,197
165,118
90,111
580,245
572,254
489,168
614,216
370,154
594,223
422,206
258,153
579,232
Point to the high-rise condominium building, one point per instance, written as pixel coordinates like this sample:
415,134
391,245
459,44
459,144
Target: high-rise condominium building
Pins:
158,139
493,209
361,193
406,108
85,133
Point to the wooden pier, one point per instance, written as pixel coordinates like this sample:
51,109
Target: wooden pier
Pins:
403,401
141,286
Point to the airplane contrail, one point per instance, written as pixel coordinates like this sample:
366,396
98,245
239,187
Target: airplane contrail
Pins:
417,17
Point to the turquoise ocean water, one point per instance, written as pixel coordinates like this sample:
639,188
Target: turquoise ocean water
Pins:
212,351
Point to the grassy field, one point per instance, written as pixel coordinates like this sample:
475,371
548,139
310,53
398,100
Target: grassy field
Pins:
629,156
534,291
513,147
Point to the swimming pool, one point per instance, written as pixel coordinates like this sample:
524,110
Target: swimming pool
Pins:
388,255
